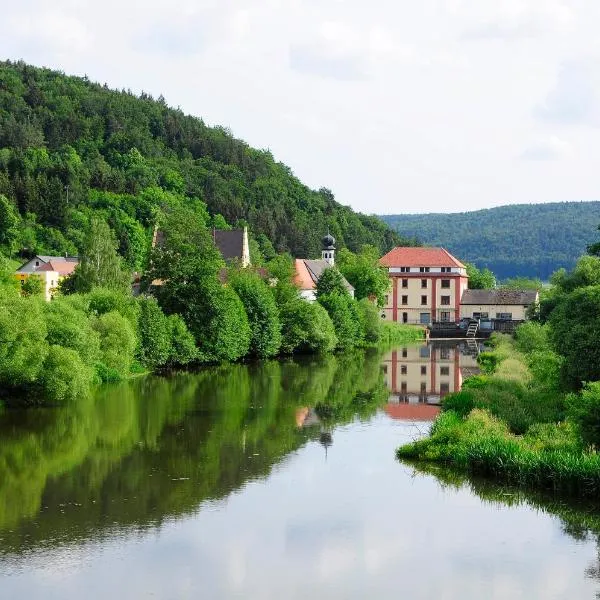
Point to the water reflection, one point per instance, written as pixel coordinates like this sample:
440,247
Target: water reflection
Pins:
419,376
266,481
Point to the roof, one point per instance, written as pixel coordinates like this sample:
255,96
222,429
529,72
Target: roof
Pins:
412,412
229,243
500,296
405,256
308,273
64,265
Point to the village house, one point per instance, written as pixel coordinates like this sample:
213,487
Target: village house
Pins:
497,305
426,285
49,269
308,272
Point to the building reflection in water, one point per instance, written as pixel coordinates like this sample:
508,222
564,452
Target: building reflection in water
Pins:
418,377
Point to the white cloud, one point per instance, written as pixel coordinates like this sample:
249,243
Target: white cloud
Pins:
549,148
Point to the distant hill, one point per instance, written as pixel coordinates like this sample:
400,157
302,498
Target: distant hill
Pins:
531,240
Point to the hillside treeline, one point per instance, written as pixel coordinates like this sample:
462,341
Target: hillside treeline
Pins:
71,149
529,240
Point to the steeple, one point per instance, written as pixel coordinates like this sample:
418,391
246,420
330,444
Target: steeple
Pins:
328,253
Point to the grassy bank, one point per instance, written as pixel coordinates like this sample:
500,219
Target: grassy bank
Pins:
513,424
397,333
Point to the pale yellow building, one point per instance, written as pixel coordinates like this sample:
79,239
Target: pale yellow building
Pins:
497,305
49,269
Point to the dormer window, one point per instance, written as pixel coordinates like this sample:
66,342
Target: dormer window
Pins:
37,263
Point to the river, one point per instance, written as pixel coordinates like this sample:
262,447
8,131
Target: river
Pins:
270,481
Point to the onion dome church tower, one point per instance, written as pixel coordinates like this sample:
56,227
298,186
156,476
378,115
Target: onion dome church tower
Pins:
328,253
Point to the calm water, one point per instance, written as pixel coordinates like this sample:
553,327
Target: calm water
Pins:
269,482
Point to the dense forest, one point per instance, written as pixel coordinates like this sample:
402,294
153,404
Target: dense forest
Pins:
529,240
71,149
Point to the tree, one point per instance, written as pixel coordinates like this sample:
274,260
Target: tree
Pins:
331,282
521,283
343,312
306,327
32,286
594,249
183,344
9,221
575,331
154,333
482,279
362,270
117,343
262,312
99,264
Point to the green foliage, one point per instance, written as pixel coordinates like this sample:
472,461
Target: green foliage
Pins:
363,272
262,312
32,286
531,240
9,221
532,336
306,327
183,344
480,279
584,410
117,342
64,376
99,264
331,282
370,322
71,149
522,283
154,333
398,333
343,312
575,331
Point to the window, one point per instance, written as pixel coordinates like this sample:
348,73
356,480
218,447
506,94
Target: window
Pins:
423,386
405,300
423,370
504,316
424,351
37,263
387,300
444,370
445,316
424,269
403,387
445,300
402,369
444,388
425,319
405,317
446,269
480,315
445,283
404,352
405,283
404,269
424,283
444,353
423,300
22,281
385,369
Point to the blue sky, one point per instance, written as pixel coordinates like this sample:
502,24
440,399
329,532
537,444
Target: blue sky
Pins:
395,105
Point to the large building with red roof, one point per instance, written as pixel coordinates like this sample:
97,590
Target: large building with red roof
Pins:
426,285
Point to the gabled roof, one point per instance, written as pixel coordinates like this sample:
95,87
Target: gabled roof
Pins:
308,273
501,296
404,256
64,265
412,412
229,243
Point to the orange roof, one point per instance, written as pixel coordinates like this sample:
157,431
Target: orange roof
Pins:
63,267
302,276
412,412
420,257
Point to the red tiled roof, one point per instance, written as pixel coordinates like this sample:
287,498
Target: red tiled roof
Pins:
412,412
63,267
302,276
420,257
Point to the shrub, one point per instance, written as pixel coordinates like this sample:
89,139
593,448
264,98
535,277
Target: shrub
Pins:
64,376
183,345
154,332
370,321
117,342
342,309
532,337
262,312
584,410
306,327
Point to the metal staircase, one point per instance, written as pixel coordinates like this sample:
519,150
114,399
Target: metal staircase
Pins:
472,329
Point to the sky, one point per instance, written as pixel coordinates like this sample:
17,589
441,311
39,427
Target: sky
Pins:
397,106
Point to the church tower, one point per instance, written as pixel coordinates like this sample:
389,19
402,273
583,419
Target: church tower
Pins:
328,253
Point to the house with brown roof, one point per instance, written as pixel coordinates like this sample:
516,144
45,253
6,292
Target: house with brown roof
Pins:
50,269
308,272
426,285
498,305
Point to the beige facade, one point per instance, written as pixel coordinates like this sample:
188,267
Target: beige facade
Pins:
426,373
508,312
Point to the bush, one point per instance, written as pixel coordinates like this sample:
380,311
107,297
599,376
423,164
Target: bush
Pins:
342,309
262,312
117,342
584,410
183,344
532,337
370,321
154,332
64,376
306,327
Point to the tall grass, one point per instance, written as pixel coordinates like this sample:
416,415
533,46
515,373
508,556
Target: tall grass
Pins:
398,333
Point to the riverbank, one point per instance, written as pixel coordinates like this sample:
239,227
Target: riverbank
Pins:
514,424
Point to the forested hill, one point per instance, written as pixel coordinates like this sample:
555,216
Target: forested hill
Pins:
70,148
531,240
